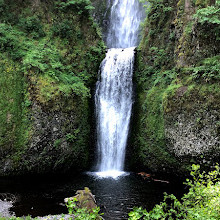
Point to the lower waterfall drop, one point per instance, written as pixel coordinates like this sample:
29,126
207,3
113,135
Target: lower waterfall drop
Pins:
113,101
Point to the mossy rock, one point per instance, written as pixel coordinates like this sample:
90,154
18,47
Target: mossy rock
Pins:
46,82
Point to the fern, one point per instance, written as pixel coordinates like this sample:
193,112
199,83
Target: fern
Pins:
210,14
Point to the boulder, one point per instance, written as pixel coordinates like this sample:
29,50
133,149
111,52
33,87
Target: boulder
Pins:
85,199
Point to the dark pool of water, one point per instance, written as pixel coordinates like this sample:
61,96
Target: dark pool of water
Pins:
43,196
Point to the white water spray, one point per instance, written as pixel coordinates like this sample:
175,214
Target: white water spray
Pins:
123,31
114,103
115,89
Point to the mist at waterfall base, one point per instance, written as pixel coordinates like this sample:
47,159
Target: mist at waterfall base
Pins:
41,196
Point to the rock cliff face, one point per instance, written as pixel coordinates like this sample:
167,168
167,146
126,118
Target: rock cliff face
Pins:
177,112
50,55
50,52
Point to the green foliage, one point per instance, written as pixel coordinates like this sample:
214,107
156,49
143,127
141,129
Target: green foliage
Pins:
210,14
9,42
63,29
151,136
171,40
2,6
156,10
82,213
209,69
4,15
32,26
44,58
156,83
57,143
165,77
14,127
72,137
201,202
49,57
82,7
159,56
156,58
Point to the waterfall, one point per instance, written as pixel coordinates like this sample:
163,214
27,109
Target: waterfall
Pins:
125,18
114,103
114,90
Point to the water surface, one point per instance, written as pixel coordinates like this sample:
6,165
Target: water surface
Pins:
116,197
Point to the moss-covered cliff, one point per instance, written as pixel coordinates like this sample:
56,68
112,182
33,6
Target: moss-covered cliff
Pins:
177,112
50,55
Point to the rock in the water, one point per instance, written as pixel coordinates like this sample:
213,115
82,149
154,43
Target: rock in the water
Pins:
85,199
4,209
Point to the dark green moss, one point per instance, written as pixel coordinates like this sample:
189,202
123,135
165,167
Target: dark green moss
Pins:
14,100
50,56
174,76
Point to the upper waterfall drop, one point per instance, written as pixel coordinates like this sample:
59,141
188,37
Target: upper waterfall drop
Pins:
124,25
114,90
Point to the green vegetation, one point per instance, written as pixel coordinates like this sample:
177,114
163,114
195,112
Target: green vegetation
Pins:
208,69
13,105
201,202
209,14
82,213
32,26
81,7
177,69
50,56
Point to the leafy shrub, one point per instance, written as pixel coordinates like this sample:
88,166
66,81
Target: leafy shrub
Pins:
63,29
45,59
82,213
165,77
156,9
210,14
9,42
73,136
2,6
82,7
32,25
57,143
159,56
209,69
201,202
156,60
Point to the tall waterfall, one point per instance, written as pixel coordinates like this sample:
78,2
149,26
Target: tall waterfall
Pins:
125,18
115,89
114,103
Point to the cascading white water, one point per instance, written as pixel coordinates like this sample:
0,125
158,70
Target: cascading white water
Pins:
114,90
114,103
125,18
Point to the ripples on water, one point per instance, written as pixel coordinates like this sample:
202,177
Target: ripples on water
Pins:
116,196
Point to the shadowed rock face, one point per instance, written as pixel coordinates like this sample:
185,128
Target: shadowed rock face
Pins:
102,14
193,134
